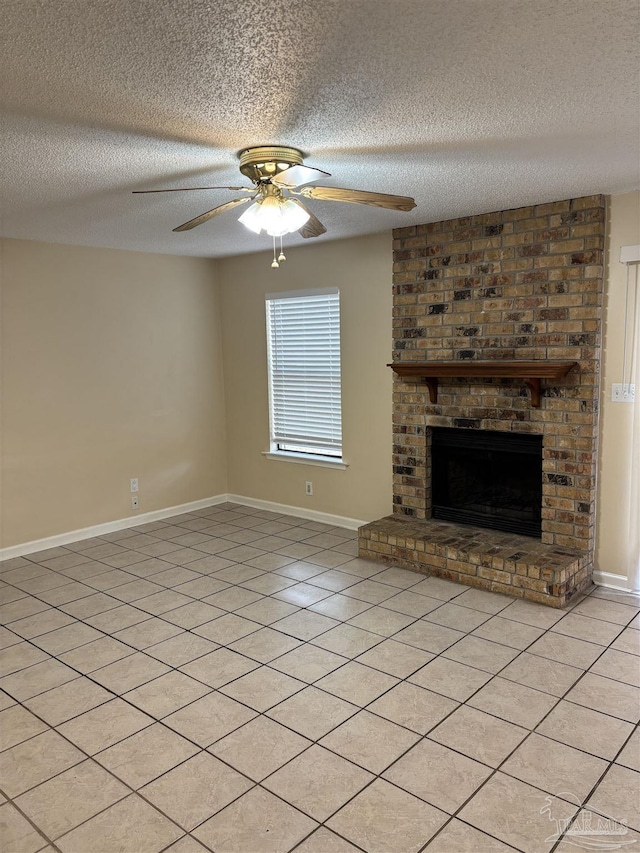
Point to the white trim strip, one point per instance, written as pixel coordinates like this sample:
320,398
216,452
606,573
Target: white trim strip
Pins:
157,515
296,294
611,581
606,579
630,254
107,527
299,512
308,459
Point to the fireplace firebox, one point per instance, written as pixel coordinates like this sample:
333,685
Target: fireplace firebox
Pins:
488,479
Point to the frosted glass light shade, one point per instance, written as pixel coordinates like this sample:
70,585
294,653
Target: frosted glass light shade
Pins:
276,216
271,217
294,215
251,218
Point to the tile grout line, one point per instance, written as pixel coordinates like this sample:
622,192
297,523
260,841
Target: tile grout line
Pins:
268,662
595,786
531,732
383,638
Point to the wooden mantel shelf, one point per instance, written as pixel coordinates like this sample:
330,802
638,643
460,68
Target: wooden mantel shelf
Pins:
532,372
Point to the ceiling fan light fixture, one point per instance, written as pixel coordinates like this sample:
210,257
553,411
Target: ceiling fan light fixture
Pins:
279,177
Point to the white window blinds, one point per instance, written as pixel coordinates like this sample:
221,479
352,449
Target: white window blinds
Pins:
303,333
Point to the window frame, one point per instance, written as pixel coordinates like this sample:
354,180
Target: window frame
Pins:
276,451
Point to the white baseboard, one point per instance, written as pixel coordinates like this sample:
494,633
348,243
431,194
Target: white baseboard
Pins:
299,512
107,527
158,514
606,579
611,581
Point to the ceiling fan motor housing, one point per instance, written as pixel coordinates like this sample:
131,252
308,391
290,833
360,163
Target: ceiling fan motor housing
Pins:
260,164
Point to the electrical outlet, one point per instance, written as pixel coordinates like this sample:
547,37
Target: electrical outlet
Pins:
135,503
623,393
308,488
134,484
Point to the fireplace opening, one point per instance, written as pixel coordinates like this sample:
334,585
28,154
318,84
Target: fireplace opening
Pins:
488,479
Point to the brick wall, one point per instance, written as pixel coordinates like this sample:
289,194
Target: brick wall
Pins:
514,284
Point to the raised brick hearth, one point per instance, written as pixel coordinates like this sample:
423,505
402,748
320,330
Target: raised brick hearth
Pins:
521,284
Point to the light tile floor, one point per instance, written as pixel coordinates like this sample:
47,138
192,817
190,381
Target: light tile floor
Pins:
238,681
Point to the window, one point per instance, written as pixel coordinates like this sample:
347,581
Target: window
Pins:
303,340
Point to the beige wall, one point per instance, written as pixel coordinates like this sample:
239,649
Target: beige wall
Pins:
111,369
361,269
614,477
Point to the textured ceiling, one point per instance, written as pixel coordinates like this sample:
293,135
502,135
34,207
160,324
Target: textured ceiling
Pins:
467,105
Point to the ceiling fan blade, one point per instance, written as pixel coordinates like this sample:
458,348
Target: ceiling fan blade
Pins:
191,189
204,217
312,227
296,176
393,202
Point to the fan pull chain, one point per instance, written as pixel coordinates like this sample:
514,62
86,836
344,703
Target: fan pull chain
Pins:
281,256
274,263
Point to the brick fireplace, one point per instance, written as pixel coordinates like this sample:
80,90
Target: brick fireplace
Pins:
504,289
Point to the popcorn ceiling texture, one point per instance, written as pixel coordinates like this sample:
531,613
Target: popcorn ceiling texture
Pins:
523,284
468,106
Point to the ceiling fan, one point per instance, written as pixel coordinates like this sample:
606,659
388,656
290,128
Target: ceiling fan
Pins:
279,178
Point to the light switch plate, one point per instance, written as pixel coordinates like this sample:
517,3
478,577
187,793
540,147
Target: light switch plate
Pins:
623,393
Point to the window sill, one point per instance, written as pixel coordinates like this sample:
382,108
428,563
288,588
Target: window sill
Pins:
299,459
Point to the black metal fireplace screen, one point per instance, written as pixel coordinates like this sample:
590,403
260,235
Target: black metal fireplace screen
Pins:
488,479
